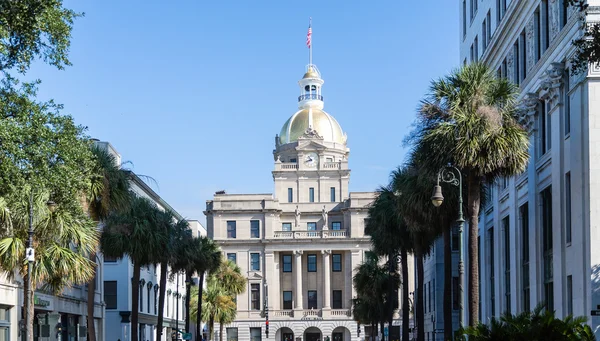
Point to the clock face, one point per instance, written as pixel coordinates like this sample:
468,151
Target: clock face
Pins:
311,159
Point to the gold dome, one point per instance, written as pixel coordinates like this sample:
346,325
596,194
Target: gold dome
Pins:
323,123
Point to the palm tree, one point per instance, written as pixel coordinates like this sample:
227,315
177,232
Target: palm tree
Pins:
135,233
470,118
207,258
217,304
108,192
229,277
390,237
63,241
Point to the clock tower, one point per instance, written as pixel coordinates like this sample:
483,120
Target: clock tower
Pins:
311,156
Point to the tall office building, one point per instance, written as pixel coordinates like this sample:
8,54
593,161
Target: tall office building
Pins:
539,235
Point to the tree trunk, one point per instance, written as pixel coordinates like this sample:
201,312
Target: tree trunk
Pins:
91,300
199,314
405,296
373,326
188,280
220,331
162,289
135,301
392,261
419,300
473,203
211,328
446,233
382,327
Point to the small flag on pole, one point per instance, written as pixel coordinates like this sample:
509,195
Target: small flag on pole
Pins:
309,36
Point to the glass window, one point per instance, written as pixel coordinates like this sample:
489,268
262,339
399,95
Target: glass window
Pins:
311,194
231,229
312,299
254,229
255,261
255,334
336,225
108,259
232,334
110,294
287,300
290,195
287,263
336,260
311,226
286,226
255,295
337,299
232,257
569,295
506,250
312,263
332,194
568,206
524,213
567,102
4,323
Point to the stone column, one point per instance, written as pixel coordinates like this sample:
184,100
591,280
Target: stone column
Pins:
326,279
272,278
298,273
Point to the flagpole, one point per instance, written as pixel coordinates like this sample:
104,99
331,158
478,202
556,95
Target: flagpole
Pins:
310,47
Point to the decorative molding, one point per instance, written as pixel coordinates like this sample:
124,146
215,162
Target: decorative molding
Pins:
325,252
551,84
298,252
531,60
528,111
554,12
310,133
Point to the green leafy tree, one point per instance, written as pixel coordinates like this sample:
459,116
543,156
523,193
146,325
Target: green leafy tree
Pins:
137,234
207,258
31,29
537,325
109,192
587,46
174,232
229,277
63,241
470,118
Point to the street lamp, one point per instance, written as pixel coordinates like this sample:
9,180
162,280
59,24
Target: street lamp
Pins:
30,256
452,175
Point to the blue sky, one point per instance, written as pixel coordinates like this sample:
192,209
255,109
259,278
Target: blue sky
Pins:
193,92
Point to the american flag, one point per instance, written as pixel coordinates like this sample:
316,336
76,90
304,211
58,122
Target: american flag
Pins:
309,36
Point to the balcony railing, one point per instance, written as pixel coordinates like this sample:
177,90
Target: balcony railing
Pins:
340,312
310,234
309,97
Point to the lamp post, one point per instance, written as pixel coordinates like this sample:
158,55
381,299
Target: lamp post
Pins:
30,256
452,175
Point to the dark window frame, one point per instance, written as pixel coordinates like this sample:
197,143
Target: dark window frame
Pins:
337,299
254,296
311,194
254,228
287,304
230,258
286,226
254,263
335,268
312,301
231,229
284,264
108,297
333,225
311,260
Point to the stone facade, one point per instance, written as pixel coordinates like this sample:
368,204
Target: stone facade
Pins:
539,231
299,246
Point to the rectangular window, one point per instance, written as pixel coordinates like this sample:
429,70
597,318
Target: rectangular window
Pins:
336,225
110,294
454,239
312,226
547,238
489,26
568,207
287,300
455,293
337,299
232,334
255,295
433,294
544,125
311,263
472,53
546,25
311,195
504,68
570,295
476,51
516,60
4,323
255,261
108,259
293,160
231,229
287,263
523,60
564,12
141,294
464,18
332,194
484,38
312,299
286,226
537,34
506,229
567,102
500,11
524,217
336,261
255,334
254,229
290,195
492,273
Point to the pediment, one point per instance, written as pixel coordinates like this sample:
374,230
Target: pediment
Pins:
255,275
310,145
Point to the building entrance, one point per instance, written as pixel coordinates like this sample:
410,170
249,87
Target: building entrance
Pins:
313,337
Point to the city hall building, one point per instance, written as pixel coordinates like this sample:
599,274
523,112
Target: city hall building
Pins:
298,246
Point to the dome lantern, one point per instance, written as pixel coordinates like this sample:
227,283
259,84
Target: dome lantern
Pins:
310,89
